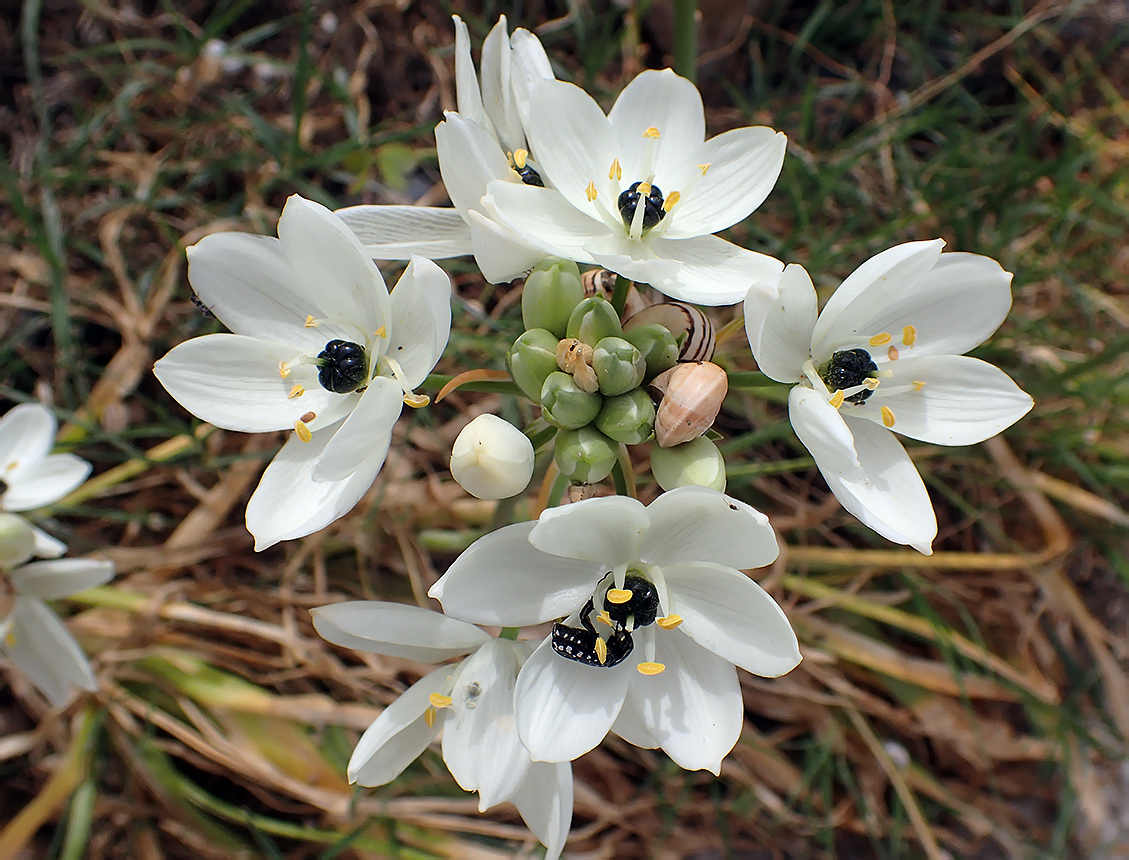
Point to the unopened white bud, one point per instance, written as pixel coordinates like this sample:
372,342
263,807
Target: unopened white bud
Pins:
17,540
492,459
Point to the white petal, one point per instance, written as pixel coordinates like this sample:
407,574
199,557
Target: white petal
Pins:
824,433
467,95
397,737
501,252
43,649
963,401
699,524
469,158
744,165
889,495
781,338
233,381
47,546
631,726
869,292
543,218
400,232
396,630
606,531
34,483
662,100
480,742
694,707
496,95
544,800
565,708
421,320
529,68
714,272
332,265
367,430
574,142
289,503
17,540
50,580
27,433
634,259
501,579
725,611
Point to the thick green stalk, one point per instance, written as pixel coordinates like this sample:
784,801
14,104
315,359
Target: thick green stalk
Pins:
686,38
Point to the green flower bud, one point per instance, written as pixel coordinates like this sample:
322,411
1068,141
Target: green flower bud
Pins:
17,540
564,405
657,346
696,462
592,320
584,456
551,292
628,418
532,358
619,366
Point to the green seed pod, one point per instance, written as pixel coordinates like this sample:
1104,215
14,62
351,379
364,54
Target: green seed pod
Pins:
592,320
551,292
628,418
532,358
619,366
695,462
584,456
657,346
565,405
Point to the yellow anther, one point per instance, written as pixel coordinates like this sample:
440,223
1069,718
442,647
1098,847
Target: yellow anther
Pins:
704,167
837,399
520,156
591,191
303,430
651,668
671,199
619,595
602,651
909,335
10,638
887,416
918,384
381,332
652,133
644,189
892,353
604,618
881,339
296,391
283,369
669,622
429,717
438,700
310,321
871,382
416,401
616,172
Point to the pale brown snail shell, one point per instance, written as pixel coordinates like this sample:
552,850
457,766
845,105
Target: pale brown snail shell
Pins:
692,393
679,318
602,281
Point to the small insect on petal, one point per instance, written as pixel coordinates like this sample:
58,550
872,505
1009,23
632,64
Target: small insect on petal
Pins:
651,668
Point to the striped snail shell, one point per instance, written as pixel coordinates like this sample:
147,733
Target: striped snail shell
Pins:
602,281
680,319
691,395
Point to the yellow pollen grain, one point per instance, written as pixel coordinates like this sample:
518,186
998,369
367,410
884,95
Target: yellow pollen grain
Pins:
416,401
619,595
651,668
303,430
837,399
704,167
602,651
892,353
296,391
880,339
887,416
590,191
909,335
429,717
652,133
669,622
283,369
520,156
604,618
918,384
671,199
438,700
616,172
381,332
310,321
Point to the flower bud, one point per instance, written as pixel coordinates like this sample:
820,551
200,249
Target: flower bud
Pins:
532,358
565,405
619,366
628,418
657,346
594,319
492,459
584,456
551,292
696,462
17,540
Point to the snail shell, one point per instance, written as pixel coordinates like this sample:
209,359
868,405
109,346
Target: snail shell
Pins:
602,281
691,396
680,318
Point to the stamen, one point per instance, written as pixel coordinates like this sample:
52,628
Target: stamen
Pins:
520,156
644,189
651,668
909,335
604,618
871,383
296,391
302,430
616,171
429,717
438,700
591,192
416,401
887,416
669,622
892,353
310,321
918,384
837,399
283,369
671,199
880,339
652,133
704,167
381,332
619,595
601,651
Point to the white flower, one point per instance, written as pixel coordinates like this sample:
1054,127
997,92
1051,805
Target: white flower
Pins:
492,459
655,665
471,701
483,141
32,635
319,347
653,138
31,476
886,354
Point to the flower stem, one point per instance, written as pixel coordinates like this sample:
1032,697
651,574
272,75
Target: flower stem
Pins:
619,294
686,38
624,474
509,633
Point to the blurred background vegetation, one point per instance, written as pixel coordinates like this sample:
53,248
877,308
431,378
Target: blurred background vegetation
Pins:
972,704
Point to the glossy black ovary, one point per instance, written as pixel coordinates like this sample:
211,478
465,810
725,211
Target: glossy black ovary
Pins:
641,609
579,644
653,211
343,366
530,176
848,368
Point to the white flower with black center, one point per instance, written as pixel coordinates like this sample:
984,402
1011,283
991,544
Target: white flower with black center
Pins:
641,189
471,702
319,347
656,615
886,355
